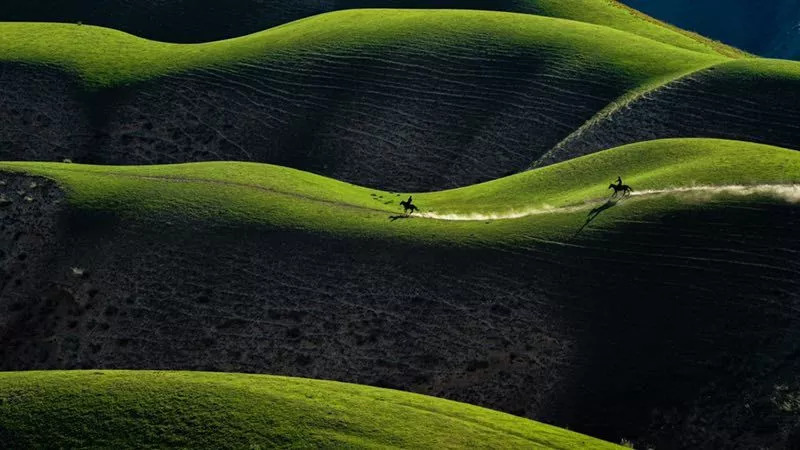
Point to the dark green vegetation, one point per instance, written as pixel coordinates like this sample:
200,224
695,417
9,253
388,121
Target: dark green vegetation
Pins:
765,28
123,409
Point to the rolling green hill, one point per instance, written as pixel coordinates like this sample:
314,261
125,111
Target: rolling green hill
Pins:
200,21
290,199
126,409
754,100
233,206
400,99
105,57
600,317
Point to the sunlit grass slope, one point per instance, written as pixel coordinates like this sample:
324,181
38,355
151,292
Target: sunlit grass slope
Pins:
285,198
773,69
133,409
613,14
105,57
204,20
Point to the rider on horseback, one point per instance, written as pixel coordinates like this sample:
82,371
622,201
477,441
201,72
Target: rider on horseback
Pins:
618,186
408,207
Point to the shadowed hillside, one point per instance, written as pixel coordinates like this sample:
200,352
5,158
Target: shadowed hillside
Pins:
614,330
388,98
752,100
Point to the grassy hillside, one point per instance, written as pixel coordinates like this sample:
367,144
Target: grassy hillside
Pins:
393,98
756,100
195,409
105,57
249,267
289,199
199,21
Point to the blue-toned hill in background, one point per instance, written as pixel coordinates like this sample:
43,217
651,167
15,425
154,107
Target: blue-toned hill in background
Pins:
767,28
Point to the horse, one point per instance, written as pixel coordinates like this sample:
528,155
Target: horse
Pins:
626,190
408,207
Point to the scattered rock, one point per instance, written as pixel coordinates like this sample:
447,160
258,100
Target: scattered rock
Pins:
79,272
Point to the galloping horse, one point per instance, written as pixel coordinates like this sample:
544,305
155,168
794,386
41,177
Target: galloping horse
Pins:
408,206
626,190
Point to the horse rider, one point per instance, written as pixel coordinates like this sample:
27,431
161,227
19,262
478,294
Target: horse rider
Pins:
619,181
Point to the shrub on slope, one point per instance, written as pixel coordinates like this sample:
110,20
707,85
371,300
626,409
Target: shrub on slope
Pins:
206,20
412,100
126,409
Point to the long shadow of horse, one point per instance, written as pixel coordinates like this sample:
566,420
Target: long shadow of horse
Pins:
399,216
610,203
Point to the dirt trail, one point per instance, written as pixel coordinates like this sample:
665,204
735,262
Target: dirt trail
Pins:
787,192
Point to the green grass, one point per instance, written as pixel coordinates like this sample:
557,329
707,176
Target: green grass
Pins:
613,14
138,409
103,57
273,196
646,165
760,69
194,22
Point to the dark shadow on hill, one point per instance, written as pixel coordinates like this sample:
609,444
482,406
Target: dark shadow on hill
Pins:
678,331
686,322
610,203
398,217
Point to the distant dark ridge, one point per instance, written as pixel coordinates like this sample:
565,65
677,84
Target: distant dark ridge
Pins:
753,100
768,28
678,330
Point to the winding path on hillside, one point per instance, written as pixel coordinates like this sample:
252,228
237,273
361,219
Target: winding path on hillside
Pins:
789,193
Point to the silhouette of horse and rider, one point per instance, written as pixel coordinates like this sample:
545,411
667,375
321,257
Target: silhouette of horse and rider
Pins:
610,203
408,206
619,187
